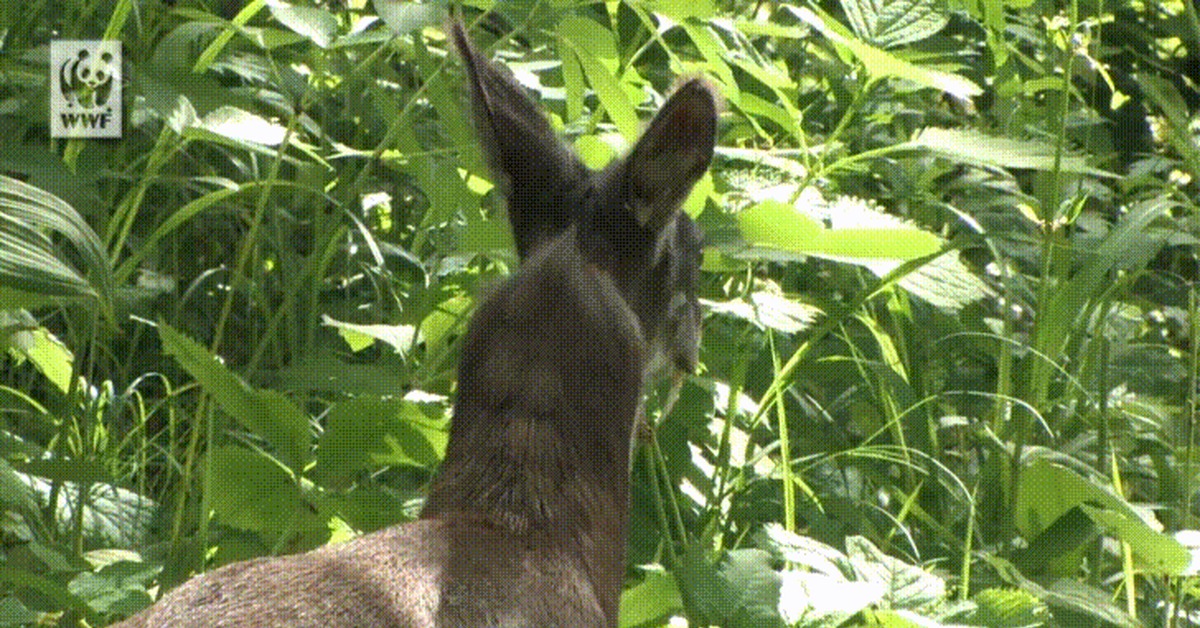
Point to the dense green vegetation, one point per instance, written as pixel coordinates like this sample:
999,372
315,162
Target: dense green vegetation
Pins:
950,355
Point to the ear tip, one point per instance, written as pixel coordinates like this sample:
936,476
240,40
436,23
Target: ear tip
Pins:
696,87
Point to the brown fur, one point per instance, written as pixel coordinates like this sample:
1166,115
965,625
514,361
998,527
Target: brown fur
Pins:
525,523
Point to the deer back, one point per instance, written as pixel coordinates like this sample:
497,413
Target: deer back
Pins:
525,522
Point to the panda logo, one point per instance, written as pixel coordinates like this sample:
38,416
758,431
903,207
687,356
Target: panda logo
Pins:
86,82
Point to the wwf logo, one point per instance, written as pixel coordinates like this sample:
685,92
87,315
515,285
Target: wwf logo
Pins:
85,94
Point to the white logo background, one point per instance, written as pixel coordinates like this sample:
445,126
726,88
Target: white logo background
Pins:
85,88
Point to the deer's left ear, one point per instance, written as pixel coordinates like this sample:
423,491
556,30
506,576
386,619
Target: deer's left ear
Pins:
672,154
537,173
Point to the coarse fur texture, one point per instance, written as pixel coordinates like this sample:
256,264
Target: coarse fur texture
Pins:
525,523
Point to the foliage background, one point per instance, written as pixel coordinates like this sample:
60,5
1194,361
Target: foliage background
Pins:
949,370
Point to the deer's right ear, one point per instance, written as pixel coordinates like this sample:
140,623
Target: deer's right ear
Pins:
672,154
535,170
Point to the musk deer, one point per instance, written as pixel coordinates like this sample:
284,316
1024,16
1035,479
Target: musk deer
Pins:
525,523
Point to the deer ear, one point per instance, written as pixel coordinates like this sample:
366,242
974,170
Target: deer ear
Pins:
535,171
672,154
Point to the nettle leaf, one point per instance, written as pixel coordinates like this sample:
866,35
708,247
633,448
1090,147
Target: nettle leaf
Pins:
767,309
1008,608
358,337
894,22
406,17
739,589
267,413
881,64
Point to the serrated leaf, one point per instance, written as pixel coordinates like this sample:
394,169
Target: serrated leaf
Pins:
946,283
1008,608
908,586
894,22
266,413
405,17
1083,598
767,310
881,64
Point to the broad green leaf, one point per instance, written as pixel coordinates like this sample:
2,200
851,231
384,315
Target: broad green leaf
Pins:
44,350
739,590
1008,608
946,283
368,434
974,147
1083,598
1049,491
315,23
908,586
582,37
405,17
242,126
767,310
267,413
651,600
358,337
679,10
251,492
772,226
881,64
486,236
895,22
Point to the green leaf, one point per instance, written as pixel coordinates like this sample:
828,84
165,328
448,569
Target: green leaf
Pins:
739,590
358,337
651,600
314,23
881,64
368,434
679,10
251,492
590,42
894,22
405,17
20,333
974,147
1048,491
1008,608
768,310
861,235
266,413
30,263
908,586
